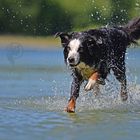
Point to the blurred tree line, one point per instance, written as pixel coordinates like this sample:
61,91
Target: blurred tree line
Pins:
46,17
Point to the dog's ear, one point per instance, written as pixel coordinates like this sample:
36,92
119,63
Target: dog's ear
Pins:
65,37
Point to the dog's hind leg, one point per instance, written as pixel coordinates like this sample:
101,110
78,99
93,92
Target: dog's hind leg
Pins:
96,89
119,72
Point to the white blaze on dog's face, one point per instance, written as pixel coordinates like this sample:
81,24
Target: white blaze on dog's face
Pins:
73,54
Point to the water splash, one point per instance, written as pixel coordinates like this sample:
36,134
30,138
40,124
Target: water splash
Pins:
107,100
111,100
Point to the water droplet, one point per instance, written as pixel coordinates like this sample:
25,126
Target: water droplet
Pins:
92,15
7,10
97,12
137,4
41,90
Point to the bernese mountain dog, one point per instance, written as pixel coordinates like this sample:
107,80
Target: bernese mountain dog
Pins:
93,53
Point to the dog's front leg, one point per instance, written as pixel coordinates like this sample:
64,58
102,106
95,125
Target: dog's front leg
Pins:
92,81
75,87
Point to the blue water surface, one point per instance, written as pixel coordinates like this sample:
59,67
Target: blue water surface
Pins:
34,89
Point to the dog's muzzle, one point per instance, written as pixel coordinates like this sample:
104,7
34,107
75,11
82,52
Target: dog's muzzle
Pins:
72,62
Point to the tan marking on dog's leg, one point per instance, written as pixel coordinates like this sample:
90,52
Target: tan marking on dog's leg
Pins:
94,76
92,81
71,106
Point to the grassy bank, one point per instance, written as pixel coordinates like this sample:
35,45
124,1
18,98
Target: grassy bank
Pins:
30,41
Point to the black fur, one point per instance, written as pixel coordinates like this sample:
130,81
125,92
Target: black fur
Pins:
103,49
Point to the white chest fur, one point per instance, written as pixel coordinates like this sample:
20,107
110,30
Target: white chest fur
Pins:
85,70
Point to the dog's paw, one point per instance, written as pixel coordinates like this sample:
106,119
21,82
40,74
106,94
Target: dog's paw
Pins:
90,85
71,106
124,96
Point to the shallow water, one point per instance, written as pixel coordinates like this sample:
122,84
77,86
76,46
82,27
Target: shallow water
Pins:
34,89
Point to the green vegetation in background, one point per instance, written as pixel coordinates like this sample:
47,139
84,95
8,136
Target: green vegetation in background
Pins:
46,17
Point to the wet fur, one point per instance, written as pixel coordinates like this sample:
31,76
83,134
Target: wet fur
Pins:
103,50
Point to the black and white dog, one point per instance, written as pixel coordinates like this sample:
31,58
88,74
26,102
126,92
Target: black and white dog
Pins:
92,54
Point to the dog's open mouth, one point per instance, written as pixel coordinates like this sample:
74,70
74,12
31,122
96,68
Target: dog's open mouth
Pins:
73,64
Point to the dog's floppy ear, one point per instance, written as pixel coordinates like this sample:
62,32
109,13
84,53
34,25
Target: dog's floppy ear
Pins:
65,37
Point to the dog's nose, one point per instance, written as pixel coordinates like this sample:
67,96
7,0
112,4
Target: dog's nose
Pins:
71,60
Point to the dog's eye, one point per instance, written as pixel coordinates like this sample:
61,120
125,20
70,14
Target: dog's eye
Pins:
80,50
68,48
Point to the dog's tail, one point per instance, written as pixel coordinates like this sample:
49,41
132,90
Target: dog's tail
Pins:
133,29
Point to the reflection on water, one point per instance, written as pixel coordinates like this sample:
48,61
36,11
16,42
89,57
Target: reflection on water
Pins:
34,91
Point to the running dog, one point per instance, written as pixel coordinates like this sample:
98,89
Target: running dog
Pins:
92,54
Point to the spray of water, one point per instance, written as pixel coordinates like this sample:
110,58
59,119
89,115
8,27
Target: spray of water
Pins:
108,99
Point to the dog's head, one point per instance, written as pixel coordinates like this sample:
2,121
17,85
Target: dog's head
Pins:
78,47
